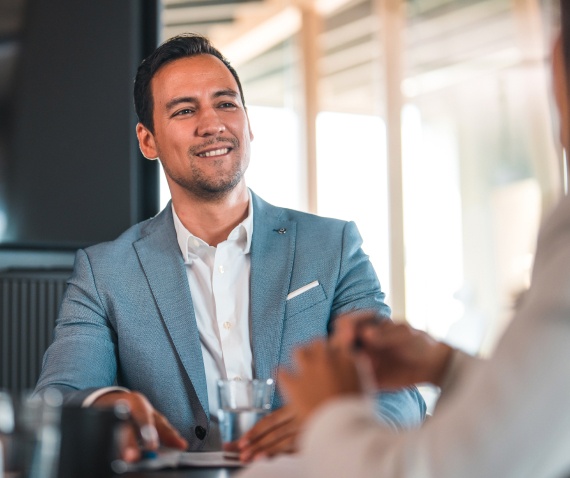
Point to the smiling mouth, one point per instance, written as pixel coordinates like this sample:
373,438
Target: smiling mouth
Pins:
215,152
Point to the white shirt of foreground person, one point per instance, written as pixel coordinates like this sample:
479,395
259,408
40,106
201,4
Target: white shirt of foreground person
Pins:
506,417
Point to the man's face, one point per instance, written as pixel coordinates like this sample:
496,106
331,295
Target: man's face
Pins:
201,129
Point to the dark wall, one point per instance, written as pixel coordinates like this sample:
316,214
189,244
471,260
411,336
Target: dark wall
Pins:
70,170
73,174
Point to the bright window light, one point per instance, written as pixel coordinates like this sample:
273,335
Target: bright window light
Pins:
276,171
351,171
432,224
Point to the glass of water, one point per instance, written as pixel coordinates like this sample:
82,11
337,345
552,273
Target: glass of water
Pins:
7,419
242,404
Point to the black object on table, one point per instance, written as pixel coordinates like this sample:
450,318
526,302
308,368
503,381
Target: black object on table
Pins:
185,473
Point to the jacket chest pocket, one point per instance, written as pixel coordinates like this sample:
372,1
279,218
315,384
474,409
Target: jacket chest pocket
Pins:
305,300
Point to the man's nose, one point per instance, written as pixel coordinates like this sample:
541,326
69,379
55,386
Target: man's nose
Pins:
209,123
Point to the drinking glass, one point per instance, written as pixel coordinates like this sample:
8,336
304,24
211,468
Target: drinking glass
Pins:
241,404
6,432
37,434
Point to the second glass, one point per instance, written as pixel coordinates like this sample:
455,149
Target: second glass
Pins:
241,404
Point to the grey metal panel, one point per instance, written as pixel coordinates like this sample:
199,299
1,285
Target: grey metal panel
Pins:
29,303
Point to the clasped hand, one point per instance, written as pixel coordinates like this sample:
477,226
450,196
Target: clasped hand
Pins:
396,355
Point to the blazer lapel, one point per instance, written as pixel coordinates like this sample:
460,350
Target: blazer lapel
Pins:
162,262
272,252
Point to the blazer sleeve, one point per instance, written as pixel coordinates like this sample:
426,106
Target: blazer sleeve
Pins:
358,288
82,357
357,285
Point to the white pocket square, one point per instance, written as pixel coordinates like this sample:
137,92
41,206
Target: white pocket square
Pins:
303,289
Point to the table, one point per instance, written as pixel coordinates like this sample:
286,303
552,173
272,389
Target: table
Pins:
174,464
178,473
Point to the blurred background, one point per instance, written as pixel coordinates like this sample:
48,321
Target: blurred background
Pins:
427,122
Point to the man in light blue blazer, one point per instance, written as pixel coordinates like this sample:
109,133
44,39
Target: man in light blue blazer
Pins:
138,312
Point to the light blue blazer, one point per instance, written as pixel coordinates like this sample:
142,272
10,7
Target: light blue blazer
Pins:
127,316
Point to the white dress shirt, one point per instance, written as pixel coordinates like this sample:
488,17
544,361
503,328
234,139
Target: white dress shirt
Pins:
219,284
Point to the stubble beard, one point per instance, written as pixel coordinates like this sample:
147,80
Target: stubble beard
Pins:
207,187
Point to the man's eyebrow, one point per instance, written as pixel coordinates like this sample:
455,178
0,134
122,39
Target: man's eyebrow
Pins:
226,92
181,99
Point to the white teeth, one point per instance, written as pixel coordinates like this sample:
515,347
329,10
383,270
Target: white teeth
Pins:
216,152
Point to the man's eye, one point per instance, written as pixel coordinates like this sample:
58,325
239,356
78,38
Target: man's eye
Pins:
185,111
227,104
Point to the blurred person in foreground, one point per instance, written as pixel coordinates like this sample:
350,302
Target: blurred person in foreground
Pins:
507,417
220,284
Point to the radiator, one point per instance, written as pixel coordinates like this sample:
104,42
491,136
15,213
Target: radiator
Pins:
29,303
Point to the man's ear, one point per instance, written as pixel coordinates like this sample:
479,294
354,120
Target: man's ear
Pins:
147,143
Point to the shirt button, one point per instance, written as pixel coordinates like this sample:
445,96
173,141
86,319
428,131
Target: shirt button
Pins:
196,243
221,269
227,325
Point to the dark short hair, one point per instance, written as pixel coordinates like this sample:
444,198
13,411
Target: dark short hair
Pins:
180,46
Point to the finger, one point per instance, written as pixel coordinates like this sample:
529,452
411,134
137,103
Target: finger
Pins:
306,391
370,323
286,381
167,434
266,425
279,445
304,355
385,335
347,376
345,327
130,451
344,332
287,445
142,414
267,436
231,446
280,440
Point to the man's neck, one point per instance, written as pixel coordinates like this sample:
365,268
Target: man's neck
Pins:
212,221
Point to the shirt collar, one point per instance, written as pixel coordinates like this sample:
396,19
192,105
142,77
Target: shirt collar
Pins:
190,244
